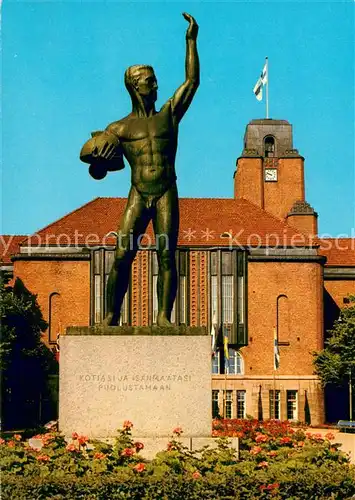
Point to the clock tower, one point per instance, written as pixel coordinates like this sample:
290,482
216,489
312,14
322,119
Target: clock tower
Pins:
270,174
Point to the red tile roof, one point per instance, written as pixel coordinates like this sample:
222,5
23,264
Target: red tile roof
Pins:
9,245
339,251
202,222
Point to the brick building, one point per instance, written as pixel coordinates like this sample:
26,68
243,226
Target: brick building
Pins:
254,262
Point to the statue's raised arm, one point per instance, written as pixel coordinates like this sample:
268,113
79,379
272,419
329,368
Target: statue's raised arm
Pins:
182,98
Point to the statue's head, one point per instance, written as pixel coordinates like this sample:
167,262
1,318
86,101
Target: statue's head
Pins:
140,79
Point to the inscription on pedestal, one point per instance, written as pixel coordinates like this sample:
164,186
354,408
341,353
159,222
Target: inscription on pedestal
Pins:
135,382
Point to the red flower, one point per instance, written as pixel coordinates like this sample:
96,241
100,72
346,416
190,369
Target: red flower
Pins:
263,464
196,475
127,425
43,458
99,456
47,438
178,431
139,467
255,450
71,447
127,452
330,436
272,453
318,436
2,441
285,440
11,444
138,446
272,486
75,435
261,438
82,440
17,437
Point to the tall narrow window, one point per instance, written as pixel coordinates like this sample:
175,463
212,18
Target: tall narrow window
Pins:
269,147
235,362
98,287
241,281
215,403
228,404
216,363
154,286
97,299
292,405
109,260
155,272
274,404
227,293
102,261
227,289
214,285
241,409
183,287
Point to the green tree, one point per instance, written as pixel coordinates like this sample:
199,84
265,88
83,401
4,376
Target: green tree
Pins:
25,360
335,364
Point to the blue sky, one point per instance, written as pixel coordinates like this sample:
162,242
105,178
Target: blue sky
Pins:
63,66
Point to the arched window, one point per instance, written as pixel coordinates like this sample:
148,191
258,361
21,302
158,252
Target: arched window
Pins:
269,147
235,365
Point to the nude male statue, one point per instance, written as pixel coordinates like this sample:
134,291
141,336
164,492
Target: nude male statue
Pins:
148,140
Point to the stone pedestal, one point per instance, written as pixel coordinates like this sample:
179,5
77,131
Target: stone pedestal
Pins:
157,378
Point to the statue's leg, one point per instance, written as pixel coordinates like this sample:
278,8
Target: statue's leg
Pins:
166,227
133,223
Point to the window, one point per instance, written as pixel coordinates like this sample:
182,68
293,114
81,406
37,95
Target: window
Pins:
182,289
241,411
227,289
274,404
227,292
97,286
235,364
154,287
228,402
269,147
215,404
179,313
102,261
292,409
216,363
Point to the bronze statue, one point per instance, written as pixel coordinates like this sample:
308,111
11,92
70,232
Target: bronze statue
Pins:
148,140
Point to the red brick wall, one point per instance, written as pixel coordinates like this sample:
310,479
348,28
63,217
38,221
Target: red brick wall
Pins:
300,316
248,180
276,198
71,279
280,196
307,224
339,289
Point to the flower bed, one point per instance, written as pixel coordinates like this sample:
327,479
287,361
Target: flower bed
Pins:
275,462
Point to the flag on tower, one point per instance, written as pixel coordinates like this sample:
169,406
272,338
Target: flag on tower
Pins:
276,351
258,88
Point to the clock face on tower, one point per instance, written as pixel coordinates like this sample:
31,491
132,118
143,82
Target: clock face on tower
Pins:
270,174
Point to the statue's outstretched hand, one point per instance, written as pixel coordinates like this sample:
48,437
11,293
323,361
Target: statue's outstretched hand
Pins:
192,30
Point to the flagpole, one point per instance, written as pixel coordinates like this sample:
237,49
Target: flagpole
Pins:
267,87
